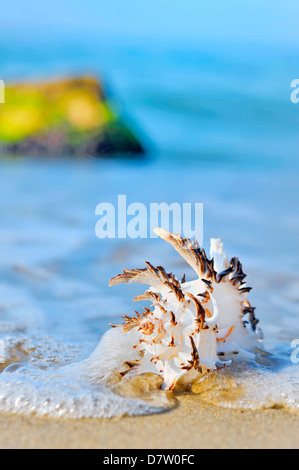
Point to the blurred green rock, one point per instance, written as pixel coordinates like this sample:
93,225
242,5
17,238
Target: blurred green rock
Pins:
63,118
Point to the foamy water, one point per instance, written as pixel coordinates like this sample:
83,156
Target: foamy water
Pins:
55,304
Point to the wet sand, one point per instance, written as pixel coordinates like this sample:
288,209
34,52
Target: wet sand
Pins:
192,425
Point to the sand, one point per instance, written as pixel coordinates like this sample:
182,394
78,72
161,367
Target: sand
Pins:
192,425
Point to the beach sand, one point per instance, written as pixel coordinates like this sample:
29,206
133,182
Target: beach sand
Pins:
191,425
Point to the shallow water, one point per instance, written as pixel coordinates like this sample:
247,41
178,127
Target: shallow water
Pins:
226,134
55,302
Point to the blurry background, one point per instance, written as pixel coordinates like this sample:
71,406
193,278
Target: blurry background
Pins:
209,80
205,89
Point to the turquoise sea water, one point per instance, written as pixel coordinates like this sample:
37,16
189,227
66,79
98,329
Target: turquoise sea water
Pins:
215,103
221,130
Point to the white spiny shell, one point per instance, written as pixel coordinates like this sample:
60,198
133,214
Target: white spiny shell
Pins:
199,325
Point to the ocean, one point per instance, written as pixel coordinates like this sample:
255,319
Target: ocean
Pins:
221,130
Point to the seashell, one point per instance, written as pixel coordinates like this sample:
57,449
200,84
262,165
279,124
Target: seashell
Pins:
191,328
